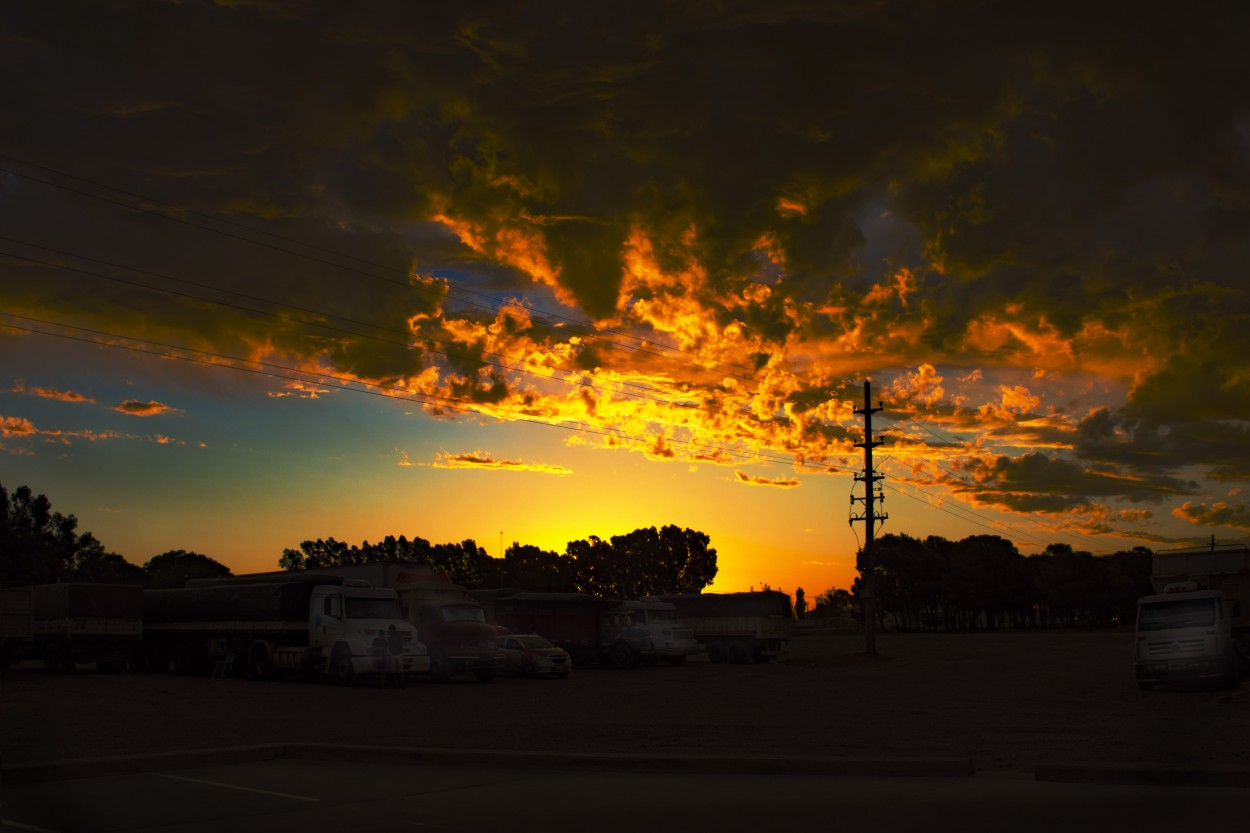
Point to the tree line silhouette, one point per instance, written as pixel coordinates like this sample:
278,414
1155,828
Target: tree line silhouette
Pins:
979,582
40,546
647,561
984,582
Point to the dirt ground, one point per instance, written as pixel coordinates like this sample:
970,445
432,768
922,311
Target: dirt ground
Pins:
1010,701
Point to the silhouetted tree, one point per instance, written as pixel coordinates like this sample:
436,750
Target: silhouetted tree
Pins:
41,546
176,567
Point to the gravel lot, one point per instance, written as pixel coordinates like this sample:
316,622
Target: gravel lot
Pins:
1010,701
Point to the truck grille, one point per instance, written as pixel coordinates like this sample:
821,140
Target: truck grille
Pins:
1177,646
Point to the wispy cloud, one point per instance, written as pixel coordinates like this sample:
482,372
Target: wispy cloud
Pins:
134,407
51,393
484,460
752,480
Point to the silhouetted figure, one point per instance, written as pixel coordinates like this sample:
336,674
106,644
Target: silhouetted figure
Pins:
380,658
395,656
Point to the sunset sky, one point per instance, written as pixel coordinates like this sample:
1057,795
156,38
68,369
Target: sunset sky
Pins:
532,272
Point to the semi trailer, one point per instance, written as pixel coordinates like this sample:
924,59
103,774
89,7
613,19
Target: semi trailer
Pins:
70,624
262,626
737,627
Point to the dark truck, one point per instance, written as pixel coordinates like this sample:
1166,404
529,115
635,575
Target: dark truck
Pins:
72,623
592,630
737,627
263,625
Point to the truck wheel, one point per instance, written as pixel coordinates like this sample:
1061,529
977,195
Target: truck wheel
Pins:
183,666
440,665
155,660
342,668
738,653
716,652
623,655
259,662
59,659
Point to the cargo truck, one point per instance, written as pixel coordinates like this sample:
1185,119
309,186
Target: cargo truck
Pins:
449,620
72,623
261,626
737,627
592,630
1196,625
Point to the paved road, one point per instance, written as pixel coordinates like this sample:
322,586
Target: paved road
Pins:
335,796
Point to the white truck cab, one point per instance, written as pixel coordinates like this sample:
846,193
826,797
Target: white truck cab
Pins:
1185,633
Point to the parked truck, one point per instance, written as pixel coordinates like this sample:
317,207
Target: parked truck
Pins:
449,621
592,630
72,623
1196,625
737,627
262,625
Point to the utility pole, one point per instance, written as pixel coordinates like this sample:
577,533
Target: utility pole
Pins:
867,561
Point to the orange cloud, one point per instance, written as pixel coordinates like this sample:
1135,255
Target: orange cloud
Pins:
1216,514
483,460
143,409
751,480
51,393
16,427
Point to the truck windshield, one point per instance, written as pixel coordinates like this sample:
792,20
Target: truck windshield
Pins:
373,608
463,613
662,617
1181,613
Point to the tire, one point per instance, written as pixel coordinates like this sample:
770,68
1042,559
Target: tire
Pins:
1146,686
259,663
623,655
341,667
528,671
563,675
738,653
440,665
484,676
110,667
716,652
155,660
183,665
58,659
676,661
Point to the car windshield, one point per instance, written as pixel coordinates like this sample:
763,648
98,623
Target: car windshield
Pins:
533,641
1180,613
373,608
662,616
463,613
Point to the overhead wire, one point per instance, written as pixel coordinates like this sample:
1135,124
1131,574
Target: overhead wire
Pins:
1081,538
591,331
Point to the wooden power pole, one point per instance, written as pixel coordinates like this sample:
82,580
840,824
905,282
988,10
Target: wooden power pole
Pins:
867,560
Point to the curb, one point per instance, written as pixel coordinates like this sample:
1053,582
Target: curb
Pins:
952,767
1145,775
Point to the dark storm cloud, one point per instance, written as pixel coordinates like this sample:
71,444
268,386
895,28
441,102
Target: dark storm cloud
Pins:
1040,474
815,190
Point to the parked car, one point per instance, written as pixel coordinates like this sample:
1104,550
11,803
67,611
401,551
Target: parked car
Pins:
530,655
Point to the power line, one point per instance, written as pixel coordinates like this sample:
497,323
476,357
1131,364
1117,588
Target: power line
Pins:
1081,538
